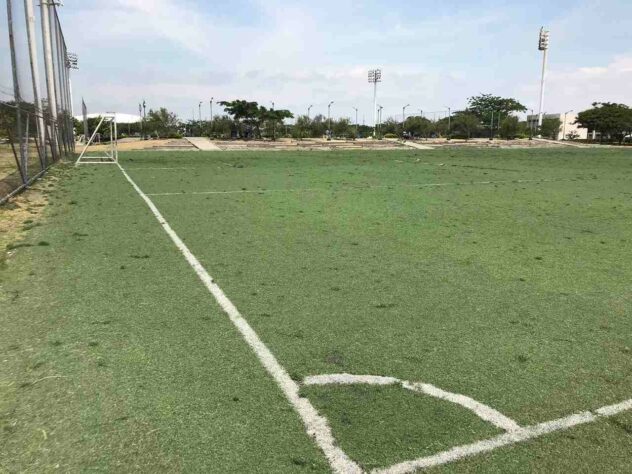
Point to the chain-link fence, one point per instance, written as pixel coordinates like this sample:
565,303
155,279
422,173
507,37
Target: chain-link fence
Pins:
36,124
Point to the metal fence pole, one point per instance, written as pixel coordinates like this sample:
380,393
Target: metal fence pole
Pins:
30,30
50,77
16,93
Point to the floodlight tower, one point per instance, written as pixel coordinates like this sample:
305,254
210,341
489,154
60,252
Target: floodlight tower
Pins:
543,45
329,114
375,76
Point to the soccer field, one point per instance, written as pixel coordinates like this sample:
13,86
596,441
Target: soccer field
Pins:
456,310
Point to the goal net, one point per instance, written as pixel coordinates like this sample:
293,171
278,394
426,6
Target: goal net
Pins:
106,152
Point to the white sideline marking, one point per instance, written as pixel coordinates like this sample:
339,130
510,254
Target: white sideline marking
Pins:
483,411
136,168
359,188
349,379
316,425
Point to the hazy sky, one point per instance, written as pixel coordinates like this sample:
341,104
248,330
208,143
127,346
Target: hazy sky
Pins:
433,54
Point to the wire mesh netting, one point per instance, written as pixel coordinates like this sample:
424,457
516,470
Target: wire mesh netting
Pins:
36,125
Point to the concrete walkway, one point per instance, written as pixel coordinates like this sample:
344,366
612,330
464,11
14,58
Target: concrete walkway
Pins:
418,146
203,144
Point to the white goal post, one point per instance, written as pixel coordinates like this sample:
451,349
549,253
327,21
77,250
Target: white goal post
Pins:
110,154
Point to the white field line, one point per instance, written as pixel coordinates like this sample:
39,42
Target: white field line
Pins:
483,411
359,188
141,168
524,434
316,425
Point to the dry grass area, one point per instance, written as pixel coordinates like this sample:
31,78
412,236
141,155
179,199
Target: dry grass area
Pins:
22,213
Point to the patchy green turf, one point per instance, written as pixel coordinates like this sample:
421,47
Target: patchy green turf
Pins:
502,275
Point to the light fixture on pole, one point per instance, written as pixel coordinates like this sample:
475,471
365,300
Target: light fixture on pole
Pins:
543,45
329,115
211,104
356,111
375,76
449,123
379,118
308,109
564,129
404,114
200,111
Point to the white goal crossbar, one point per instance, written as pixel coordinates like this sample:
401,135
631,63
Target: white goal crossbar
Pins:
110,154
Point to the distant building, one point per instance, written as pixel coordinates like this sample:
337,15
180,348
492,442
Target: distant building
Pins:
532,121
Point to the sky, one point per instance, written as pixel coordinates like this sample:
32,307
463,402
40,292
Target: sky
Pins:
433,53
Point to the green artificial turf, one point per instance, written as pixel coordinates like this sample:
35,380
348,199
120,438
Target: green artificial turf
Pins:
502,275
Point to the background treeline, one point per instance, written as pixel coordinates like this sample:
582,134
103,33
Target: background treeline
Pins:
486,116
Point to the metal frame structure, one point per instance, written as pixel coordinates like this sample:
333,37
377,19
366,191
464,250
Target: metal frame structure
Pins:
108,156
375,76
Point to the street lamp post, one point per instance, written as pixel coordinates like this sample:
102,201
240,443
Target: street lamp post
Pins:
564,129
491,128
144,117
379,119
308,109
329,116
449,123
375,76
200,111
211,103
356,111
531,125
543,45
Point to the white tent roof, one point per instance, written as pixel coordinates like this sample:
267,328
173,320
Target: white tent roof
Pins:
120,118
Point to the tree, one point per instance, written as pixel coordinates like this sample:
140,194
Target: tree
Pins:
302,128
550,128
510,128
272,118
484,105
607,118
162,123
243,112
342,128
465,123
418,126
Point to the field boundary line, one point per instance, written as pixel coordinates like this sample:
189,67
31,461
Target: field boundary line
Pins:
316,425
364,188
136,168
525,433
484,412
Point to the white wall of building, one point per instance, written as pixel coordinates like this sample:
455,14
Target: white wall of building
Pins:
564,130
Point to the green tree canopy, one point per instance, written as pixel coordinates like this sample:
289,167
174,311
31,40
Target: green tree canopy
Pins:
161,123
607,118
550,128
466,123
483,105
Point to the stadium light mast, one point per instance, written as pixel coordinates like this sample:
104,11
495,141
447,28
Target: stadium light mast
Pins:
543,45
375,76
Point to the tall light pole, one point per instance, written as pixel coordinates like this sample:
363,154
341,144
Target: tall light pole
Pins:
404,113
308,109
449,122
211,104
356,111
329,115
375,76
200,111
543,45
531,125
491,128
564,129
379,117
